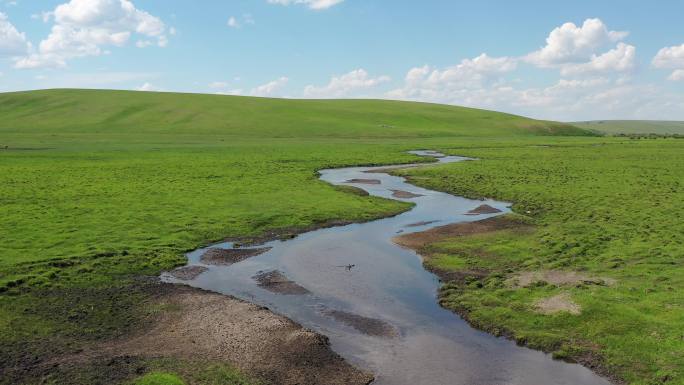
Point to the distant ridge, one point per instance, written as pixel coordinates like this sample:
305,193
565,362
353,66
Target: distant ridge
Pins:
131,112
661,127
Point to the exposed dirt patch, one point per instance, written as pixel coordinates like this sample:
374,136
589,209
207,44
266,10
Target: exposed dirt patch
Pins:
556,304
558,278
366,325
417,241
404,194
216,256
274,281
483,209
216,328
363,181
187,273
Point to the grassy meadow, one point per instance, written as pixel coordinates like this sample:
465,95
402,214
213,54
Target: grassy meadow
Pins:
615,127
611,211
100,188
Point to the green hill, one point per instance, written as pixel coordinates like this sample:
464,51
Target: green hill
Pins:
661,127
122,112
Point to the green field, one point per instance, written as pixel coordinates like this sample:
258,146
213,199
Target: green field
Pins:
100,187
612,127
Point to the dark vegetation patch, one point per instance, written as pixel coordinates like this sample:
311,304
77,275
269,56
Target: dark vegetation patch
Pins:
216,256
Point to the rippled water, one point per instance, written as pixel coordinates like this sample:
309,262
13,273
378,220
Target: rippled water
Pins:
381,312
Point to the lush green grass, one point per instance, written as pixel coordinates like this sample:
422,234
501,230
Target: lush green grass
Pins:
97,188
158,378
612,211
100,187
661,127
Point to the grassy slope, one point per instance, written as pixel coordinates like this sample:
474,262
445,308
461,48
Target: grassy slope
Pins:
610,211
98,187
661,127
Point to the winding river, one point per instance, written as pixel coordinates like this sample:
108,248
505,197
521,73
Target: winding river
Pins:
374,300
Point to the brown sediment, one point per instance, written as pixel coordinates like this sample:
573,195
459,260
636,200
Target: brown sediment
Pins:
483,209
404,194
216,256
363,181
366,325
187,273
209,327
421,223
387,170
276,282
419,240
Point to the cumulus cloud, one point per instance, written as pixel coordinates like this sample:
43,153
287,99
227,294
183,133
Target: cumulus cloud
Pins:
313,4
570,43
345,85
83,27
12,42
271,88
620,59
671,58
449,84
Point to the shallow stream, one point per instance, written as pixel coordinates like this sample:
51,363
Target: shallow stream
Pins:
374,300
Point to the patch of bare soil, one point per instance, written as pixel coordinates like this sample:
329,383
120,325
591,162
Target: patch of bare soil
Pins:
404,194
556,304
363,181
187,273
216,256
558,278
417,241
216,328
366,325
274,281
483,209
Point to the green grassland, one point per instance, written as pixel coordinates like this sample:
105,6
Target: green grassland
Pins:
612,127
98,188
610,210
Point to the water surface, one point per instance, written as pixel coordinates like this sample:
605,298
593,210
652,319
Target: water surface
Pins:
377,304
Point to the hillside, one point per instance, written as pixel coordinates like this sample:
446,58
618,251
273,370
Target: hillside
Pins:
661,127
125,112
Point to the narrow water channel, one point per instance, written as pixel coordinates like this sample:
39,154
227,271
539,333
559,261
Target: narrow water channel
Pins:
374,300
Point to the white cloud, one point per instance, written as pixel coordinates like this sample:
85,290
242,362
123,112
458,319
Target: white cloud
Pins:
676,75
620,59
570,43
313,4
271,88
345,85
146,87
451,83
671,58
234,22
83,27
12,42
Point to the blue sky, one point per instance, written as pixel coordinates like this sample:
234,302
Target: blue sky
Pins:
574,60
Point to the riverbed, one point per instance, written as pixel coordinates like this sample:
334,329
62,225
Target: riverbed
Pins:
373,298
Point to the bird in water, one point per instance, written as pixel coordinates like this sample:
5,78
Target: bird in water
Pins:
348,267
